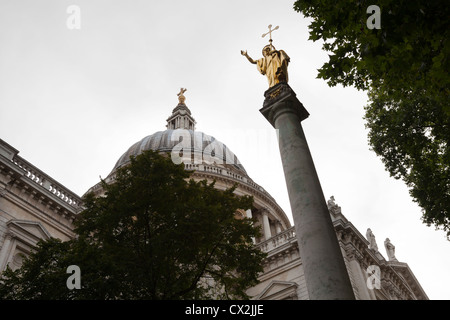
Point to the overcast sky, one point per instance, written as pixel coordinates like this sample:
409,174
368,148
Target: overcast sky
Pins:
72,101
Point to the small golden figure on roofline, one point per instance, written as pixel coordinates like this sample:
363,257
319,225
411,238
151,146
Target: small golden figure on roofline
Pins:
181,97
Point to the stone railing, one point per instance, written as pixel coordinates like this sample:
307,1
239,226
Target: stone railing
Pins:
45,181
278,240
227,173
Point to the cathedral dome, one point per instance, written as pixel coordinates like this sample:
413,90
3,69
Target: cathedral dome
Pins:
192,145
208,159
184,143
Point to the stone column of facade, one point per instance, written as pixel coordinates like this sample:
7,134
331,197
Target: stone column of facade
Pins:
324,268
359,278
248,212
266,225
5,250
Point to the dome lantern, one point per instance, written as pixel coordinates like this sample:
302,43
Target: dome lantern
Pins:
181,117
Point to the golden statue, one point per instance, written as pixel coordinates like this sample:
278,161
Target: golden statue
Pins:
181,97
274,62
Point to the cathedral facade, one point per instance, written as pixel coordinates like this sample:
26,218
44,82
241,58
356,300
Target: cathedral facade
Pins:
34,206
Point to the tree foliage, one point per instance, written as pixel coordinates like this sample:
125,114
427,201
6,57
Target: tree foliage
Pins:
154,234
404,67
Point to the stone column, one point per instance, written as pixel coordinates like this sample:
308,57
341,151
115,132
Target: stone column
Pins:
266,225
325,272
359,280
5,250
249,215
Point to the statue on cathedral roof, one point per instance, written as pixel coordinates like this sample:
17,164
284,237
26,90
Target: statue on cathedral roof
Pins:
273,64
390,250
371,238
181,97
333,207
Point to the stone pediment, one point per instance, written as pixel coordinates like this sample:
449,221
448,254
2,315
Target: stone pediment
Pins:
28,229
279,290
408,277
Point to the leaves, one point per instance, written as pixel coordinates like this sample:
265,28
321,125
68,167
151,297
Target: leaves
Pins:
412,138
154,234
404,67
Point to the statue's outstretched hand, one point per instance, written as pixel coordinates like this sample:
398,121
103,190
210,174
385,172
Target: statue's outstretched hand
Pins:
244,53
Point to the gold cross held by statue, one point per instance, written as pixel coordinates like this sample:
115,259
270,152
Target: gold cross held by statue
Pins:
270,33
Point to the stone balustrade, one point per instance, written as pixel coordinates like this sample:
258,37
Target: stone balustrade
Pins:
40,178
277,240
227,173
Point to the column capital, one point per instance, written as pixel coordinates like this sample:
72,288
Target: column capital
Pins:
279,99
9,235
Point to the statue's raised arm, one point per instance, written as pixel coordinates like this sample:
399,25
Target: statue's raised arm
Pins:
244,53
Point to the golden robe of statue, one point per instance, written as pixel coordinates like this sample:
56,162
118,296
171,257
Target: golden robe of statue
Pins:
273,64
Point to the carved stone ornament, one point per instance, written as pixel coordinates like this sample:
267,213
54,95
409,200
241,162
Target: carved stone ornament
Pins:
353,254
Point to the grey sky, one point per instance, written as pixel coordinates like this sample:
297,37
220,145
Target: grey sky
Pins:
73,101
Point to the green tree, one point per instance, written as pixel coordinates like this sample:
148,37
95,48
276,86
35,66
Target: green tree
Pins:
154,234
404,68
